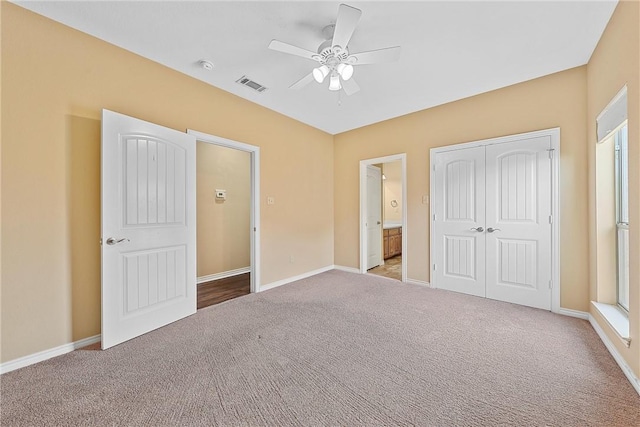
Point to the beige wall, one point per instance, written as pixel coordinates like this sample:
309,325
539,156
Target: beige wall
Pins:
558,100
55,81
392,190
223,225
614,63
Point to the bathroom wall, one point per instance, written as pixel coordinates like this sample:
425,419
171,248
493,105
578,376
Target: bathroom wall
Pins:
392,190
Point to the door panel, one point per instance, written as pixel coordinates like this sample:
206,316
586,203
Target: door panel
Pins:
154,177
459,206
519,208
374,216
148,212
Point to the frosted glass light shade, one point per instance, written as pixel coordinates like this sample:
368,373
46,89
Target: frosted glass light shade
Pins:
334,83
320,73
345,70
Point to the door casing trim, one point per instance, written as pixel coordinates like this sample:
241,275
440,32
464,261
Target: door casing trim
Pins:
254,151
554,134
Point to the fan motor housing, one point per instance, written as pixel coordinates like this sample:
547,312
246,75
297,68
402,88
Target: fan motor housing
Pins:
328,53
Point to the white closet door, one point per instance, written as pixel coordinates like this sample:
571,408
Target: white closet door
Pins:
518,229
459,223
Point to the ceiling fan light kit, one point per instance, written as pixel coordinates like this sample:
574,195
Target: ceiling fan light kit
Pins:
333,54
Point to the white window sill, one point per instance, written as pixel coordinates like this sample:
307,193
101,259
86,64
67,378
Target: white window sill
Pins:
616,318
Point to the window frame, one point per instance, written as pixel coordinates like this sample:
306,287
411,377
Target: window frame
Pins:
621,136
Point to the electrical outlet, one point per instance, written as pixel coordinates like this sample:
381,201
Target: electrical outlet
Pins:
221,194
271,200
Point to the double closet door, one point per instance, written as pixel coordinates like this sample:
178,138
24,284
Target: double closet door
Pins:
492,222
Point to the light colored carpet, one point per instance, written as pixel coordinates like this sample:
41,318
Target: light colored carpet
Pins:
337,349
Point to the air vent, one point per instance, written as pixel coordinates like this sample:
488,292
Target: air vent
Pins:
244,80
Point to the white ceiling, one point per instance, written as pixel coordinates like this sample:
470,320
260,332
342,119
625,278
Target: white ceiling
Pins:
450,49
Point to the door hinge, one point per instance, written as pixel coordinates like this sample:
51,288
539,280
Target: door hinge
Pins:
551,150
255,229
550,219
101,241
550,284
434,217
434,167
435,267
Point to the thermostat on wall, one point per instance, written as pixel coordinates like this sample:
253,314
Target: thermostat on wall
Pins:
221,194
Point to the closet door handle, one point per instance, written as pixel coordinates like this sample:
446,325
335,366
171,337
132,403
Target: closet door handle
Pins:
491,230
478,229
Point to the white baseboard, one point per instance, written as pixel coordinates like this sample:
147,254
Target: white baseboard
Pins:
41,356
294,278
635,381
223,275
347,269
418,282
574,313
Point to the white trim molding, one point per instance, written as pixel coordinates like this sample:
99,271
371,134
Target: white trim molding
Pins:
223,274
418,282
617,320
633,379
294,278
574,313
41,356
254,151
347,269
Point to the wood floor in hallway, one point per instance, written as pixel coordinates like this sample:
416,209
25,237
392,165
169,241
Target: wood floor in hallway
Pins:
217,291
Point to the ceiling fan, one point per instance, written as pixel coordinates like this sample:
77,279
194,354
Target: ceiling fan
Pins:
333,55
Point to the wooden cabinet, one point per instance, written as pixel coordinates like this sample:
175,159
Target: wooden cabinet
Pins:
392,242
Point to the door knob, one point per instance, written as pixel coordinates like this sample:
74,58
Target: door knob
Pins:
478,229
491,230
113,241
378,222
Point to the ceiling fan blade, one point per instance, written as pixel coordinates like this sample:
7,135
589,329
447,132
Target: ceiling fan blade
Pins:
346,22
293,50
350,86
302,82
388,54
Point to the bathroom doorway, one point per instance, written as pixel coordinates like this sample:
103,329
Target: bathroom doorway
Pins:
383,234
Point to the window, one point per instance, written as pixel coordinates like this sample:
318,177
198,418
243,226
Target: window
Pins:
622,214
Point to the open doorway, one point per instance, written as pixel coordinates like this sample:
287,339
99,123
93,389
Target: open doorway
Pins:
226,201
383,240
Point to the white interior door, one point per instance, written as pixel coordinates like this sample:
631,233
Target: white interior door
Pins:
374,216
459,258
148,227
518,223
